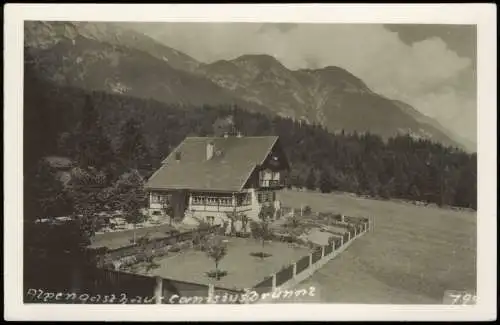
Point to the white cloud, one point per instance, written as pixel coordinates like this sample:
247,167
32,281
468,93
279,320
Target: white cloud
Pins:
424,74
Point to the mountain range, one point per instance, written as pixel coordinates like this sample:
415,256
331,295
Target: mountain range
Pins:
109,57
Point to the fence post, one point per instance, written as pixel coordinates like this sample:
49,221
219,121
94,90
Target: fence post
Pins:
158,291
294,269
349,235
322,251
211,290
333,247
273,286
76,278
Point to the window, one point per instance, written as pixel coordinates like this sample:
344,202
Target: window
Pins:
211,200
246,199
243,199
157,198
198,200
265,175
226,201
265,197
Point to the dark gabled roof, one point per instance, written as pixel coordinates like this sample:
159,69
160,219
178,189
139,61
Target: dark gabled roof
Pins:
227,171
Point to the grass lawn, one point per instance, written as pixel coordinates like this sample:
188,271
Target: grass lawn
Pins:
412,255
244,270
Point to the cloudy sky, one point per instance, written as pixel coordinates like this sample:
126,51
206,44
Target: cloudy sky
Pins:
432,67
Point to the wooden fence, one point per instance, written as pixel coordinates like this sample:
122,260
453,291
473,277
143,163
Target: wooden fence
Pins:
174,290
264,286
284,275
305,263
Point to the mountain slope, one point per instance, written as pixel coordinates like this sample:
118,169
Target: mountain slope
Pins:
467,144
74,58
330,96
41,34
108,57
423,119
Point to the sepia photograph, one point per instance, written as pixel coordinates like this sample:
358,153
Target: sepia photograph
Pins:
251,164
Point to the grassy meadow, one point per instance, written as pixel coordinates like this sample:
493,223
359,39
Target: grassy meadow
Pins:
412,255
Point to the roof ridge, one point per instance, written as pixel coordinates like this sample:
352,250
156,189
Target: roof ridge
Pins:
270,148
171,153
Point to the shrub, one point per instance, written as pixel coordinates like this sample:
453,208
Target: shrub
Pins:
260,254
216,274
161,252
175,249
141,257
185,244
128,260
245,235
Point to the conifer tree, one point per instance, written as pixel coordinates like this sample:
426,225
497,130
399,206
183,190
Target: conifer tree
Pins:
93,147
325,182
311,180
133,150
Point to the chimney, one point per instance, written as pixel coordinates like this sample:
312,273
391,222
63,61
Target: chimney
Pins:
210,150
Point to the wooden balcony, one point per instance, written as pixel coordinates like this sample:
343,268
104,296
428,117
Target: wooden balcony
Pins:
271,183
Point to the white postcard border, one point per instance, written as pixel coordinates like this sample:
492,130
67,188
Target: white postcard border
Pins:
484,15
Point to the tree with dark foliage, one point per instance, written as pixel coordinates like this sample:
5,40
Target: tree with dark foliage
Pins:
48,199
93,147
399,167
133,150
325,182
216,249
132,198
261,229
311,180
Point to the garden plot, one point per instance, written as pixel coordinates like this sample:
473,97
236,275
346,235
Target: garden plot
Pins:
243,270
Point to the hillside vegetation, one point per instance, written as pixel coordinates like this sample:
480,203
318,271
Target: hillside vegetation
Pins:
119,133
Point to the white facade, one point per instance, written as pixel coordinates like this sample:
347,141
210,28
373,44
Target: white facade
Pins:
214,207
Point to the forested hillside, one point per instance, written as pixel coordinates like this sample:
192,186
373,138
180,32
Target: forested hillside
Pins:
115,133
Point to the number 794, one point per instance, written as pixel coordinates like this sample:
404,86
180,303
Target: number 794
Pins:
462,298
